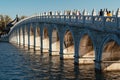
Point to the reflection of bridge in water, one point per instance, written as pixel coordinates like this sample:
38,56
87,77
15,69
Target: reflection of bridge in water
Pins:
84,38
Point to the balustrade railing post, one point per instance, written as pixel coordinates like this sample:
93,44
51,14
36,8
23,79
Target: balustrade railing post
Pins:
55,18
118,17
117,20
64,18
69,21
76,18
48,18
104,21
58,18
93,14
93,19
84,19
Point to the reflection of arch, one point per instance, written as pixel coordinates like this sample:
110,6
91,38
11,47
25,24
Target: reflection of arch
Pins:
110,39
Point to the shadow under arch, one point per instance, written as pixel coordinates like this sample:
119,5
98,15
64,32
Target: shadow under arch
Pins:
14,37
55,42
31,36
45,40
105,41
26,35
21,36
110,54
86,49
38,37
68,45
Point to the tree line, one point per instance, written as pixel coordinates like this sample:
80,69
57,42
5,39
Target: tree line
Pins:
6,19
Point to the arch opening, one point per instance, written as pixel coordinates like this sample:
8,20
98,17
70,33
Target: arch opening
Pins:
21,36
55,43
45,40
110,56
26,36
86,50
13,37
38,40
68,45
31,37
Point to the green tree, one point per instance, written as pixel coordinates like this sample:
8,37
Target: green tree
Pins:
7,19
4,20
22,17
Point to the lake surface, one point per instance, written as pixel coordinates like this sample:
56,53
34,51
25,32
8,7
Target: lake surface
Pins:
21,64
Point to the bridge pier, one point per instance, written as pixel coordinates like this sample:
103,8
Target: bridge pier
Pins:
34,31
50,45
98,67
23,33
76,55
97,60
61,47
41,42
61,51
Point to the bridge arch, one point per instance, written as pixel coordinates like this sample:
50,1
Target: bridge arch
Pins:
45,39
31,35
87,47
26,35
14,37
21,35
37,37
108,45
68,42
55,41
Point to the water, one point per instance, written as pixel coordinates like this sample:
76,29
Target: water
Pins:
19,64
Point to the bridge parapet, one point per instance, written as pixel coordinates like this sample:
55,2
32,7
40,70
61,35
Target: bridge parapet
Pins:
96,21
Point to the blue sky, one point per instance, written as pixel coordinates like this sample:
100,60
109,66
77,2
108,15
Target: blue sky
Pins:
29,7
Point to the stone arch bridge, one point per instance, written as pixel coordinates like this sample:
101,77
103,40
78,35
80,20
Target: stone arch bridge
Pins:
84,38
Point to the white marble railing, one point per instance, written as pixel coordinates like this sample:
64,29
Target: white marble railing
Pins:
72,19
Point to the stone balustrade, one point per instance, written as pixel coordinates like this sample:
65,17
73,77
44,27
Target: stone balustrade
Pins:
68,17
